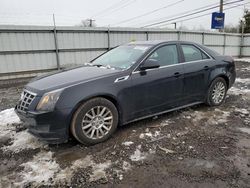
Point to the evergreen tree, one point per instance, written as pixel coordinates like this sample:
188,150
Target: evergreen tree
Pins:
246,22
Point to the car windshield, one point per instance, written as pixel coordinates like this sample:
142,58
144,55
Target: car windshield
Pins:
121,57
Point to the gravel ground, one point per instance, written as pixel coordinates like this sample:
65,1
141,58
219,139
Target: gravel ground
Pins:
195,147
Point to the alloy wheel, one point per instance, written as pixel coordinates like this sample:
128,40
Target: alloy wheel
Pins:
218,92
97,122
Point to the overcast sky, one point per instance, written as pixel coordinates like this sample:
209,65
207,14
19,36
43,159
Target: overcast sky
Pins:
111,12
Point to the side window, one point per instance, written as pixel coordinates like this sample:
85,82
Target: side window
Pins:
191,53
166,55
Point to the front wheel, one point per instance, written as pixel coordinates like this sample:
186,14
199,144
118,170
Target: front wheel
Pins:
94,121
217,92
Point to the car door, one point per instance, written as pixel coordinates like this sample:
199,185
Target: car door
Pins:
197,66
158,89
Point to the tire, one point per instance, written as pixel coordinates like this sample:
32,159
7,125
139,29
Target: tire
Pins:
90,127
215,98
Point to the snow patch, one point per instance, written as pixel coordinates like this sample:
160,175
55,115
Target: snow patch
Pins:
166,122
126,166
212,118
138,155
40,169
20,140
149,134
246,60
8,116
127,143
242,111
8,119
243,80
99,171
237,91
245,130
245,69
23,140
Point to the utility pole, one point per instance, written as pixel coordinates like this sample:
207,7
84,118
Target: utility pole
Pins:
175,25
91,21
221,6
221,11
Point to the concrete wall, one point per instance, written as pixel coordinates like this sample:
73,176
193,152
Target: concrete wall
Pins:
27,50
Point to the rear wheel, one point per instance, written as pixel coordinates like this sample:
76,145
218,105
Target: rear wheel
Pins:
217,92
94,121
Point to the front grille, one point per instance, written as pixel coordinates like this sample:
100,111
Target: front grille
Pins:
26,99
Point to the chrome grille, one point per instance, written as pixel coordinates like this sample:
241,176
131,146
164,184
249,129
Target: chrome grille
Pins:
26,99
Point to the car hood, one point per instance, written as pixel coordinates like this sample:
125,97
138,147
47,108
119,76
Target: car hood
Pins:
66,78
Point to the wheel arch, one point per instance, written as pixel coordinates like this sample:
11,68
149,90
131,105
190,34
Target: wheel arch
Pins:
224,76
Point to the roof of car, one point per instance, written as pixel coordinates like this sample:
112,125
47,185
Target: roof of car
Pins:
156,42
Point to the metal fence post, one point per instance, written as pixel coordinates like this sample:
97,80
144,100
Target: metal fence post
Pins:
242,37
203,38
108,39
56,44
241,45
147,35
179,35
224,44
57,51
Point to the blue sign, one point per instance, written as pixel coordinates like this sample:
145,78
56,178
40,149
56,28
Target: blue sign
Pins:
218,19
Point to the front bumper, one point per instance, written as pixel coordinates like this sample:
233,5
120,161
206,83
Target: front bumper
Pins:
51,127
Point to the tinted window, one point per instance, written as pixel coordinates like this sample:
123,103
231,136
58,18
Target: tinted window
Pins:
166,55
191,53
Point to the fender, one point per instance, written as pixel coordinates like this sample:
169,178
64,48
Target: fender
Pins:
218,72
107,96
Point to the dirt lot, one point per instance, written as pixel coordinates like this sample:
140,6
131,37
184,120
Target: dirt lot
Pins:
195,147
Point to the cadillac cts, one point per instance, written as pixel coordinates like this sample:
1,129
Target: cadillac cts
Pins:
128,83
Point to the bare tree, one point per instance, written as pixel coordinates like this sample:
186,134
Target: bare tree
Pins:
231,28
87,23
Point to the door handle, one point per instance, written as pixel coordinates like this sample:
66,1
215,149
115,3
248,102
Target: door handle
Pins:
177,74
206,67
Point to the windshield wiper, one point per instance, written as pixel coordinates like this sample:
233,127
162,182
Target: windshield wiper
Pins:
105,66
98,65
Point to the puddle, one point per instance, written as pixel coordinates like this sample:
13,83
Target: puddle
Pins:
201,163
70,155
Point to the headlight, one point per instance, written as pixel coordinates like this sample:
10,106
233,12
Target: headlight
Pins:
48,100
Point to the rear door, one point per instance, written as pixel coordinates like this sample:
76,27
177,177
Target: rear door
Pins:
197,67
159,89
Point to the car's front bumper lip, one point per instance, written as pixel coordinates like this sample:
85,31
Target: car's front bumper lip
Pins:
51,127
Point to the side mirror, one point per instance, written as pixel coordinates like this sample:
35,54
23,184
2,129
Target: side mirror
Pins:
149,64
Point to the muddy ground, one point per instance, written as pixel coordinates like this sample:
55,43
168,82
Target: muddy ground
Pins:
195,147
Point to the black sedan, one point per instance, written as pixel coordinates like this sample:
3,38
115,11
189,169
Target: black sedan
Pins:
128,83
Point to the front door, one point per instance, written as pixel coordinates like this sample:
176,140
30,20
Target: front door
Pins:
159,89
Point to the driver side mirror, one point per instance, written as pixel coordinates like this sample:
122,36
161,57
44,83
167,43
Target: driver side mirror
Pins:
149,64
